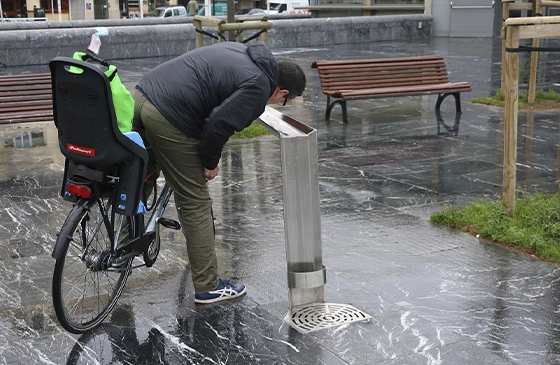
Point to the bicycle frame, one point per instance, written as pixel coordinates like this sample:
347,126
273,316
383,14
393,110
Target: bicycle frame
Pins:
140,238
159,209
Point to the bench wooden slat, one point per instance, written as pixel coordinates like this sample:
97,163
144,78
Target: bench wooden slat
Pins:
323,63
23,83
42,77
17,107
385,83
405,70
383,75
380,79
5,102
25,114
26,76
40,118
409,90
7,98
31,93
26,87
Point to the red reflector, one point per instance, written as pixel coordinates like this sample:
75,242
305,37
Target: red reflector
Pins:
79,190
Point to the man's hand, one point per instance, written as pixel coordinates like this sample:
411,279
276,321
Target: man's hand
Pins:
210,174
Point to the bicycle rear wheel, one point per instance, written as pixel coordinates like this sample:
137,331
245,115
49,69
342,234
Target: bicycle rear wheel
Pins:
84,290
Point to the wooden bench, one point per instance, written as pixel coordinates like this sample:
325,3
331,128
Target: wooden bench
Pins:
25,98
386,77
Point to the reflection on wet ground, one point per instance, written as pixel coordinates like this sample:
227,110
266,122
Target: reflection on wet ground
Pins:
436,296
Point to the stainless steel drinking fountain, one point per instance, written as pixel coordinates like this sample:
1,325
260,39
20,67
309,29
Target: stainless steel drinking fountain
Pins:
302,226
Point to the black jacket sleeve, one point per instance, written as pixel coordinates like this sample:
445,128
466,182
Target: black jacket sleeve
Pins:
234,114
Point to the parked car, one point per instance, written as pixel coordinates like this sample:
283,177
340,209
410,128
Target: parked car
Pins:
287,6
169,12
250,11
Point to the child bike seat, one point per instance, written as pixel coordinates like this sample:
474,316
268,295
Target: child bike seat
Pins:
88,133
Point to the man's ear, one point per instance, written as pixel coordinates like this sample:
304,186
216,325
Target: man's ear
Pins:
280,92
278,95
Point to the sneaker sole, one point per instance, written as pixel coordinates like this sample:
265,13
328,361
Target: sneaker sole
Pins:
219,299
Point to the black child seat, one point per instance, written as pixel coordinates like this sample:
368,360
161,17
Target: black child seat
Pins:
88,135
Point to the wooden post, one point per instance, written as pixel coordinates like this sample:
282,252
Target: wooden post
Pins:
230,18
262,37
240,37
558,161
428,7
553,3
505,16
510,125
537,8
367,3
198,27
203,21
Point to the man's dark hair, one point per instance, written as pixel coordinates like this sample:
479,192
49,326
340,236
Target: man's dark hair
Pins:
291,78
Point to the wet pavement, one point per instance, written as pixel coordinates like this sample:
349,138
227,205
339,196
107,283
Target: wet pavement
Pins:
437,296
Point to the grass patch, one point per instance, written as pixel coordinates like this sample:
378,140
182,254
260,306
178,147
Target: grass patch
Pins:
534,229
543,100
254,130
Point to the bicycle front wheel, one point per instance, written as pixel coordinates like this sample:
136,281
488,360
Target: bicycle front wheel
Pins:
84,290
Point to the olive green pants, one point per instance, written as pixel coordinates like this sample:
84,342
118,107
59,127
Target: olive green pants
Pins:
177,157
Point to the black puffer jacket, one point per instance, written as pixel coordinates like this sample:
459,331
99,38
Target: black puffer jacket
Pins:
211,92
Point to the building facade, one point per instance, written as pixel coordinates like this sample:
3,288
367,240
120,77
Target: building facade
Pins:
55,10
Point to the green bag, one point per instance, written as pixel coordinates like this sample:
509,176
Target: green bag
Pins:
122,100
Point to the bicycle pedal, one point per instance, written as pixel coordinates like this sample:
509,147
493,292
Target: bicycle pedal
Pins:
169,223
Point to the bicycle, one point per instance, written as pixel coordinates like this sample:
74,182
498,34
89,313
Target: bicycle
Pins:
103,176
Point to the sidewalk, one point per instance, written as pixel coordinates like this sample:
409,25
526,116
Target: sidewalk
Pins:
437,296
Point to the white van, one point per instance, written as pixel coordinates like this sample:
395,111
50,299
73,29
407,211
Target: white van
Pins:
169,12
287,6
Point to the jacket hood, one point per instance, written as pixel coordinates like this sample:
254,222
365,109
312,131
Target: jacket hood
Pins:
263,58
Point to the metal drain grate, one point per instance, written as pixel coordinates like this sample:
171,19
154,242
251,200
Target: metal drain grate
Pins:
317,316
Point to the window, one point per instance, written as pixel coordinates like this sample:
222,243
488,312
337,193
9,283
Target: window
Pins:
46,4
7,6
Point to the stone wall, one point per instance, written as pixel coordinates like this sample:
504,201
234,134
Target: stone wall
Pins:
361,29
36,44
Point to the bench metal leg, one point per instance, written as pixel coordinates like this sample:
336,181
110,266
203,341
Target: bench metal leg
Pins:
330,105
457,97
441,123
